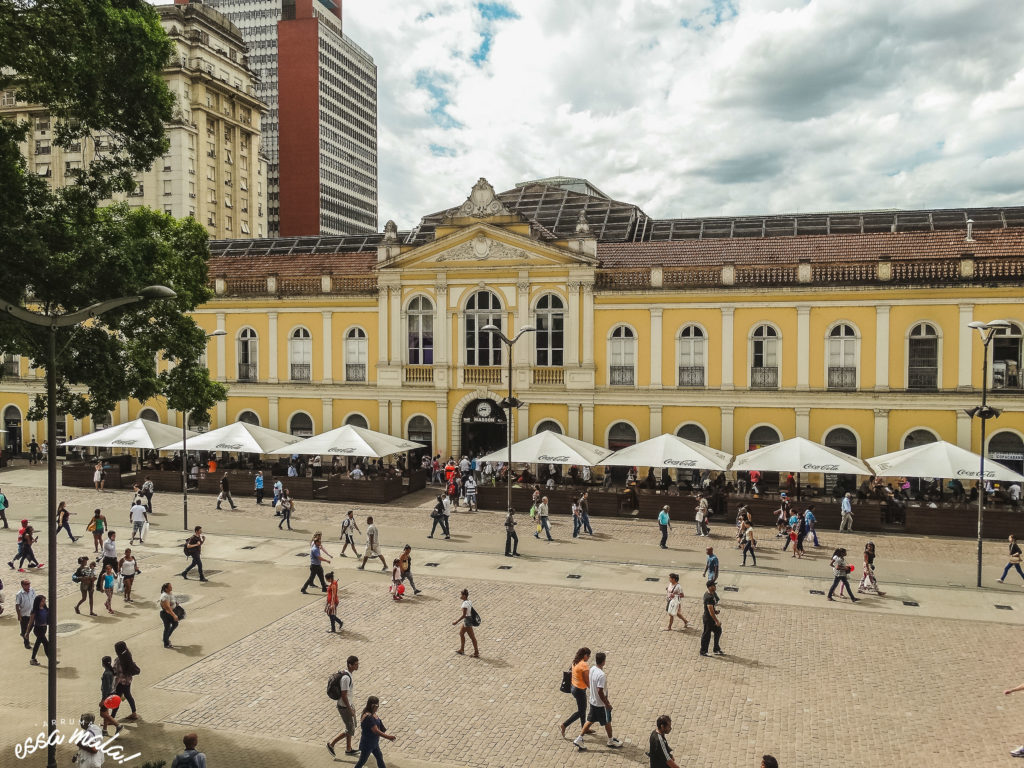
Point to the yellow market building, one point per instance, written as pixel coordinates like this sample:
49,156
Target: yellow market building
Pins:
850,329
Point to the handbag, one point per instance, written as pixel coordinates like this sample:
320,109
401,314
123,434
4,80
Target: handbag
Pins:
179,612
566,686
1015,559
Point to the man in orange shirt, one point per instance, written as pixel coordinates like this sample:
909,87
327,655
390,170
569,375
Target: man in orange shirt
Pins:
331,609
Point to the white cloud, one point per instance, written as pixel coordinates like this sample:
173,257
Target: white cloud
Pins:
701,107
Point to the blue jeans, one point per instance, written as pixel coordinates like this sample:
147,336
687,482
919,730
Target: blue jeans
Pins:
577,523
844,580
544,527
586,524
366,751
1006,570
664,534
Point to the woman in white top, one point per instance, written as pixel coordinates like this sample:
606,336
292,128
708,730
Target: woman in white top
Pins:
167,613
675,601
396,580
129,569
467,626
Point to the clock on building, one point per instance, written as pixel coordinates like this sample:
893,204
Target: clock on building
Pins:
483,409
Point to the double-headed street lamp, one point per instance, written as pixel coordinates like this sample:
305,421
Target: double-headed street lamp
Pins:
184,448
509,402
984,412
53,322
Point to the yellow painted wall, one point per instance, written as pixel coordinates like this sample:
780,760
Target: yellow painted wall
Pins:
672,322
946,319
556,412
710,419
860,421
746,319
745,419
943,423
821,321
605,416
638,319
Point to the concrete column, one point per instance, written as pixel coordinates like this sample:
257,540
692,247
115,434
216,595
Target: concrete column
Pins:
727,428
803,349
122,412
522,311
588,330
442,327
222,414
328,347
728,364
442,430
382,416
965,353
395,325
396,426
655,421
655,350
326,414
272,344
522,424
963,430
382,329
803,422
588,423
273,420
882,343
881,431
221,347
573,426
572,326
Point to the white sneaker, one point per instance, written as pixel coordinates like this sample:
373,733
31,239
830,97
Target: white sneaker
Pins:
1018,752
578,743
613,742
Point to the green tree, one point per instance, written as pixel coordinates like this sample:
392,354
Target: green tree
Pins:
96,66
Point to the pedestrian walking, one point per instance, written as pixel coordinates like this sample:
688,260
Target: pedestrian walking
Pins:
342,683
448,504
63,519
846,509
809,521
585,504
28,538
278,490
438,516
331,607
85,575
712,624
674,606
287,506
147,493
600,706
405,562
841,573
801,534
372,730
107,579
659,751
469,488
128,568
372,545
397,590
470,619
711,565
125,670
748,543
511,537
258,487
107,690
99,476
191,757
194,549
169,609
664,523
110,551
17,553
348,529
542,518
38,623
89,756
701,513
139,516
868,583
1019,751
24,603
225,492
97,525
580,683
4,506
1013,561
317,556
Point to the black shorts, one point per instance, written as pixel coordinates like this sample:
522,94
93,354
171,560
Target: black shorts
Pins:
597,715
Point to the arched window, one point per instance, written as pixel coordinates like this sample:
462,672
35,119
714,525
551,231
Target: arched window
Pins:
300,355
621,435
694,433
919,437
421,331
102,420
622,356
549,426
356,420
550,336
249,417
1008,449
300,425
1006,357
248,354
483,348
842,357
843,440
923,357
764,358
149,415
355,355
690,351
762,436
420,430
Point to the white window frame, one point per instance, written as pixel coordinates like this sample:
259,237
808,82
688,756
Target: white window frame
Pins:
357,352
550,313
414,317
751,339
906,354
690,341
481,318
855,340
622,352
252,344
300,351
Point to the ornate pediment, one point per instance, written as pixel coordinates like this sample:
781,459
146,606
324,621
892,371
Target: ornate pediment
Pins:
482,248
482,202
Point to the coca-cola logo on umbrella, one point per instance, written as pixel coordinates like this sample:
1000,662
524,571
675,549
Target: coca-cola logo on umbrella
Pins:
681,462
821,467
341,450
123,442
229,446
554,459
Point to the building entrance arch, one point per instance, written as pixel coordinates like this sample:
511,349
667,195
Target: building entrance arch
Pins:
12,423
484,428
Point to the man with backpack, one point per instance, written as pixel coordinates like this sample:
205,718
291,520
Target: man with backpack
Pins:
339,688
191,757
193,548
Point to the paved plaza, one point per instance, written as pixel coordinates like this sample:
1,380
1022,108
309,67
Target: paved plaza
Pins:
881,683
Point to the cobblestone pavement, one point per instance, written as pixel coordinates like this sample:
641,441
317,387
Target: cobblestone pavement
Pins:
877,684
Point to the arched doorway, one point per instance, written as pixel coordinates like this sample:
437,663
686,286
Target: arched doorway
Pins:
763,436
357,420
420,431
1008,449
484,428
300,425
248,417
12,423
620,435
843,440
148,414
692,432
917,438
548,426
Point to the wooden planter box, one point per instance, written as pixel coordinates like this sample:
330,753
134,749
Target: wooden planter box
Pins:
80,476
363,491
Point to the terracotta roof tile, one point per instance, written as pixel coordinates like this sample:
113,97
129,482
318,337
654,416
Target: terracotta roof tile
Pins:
299,265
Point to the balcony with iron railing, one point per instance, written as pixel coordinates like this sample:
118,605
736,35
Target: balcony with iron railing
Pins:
548,376
622,376
419,374
922,377
10,369
301,372
691,376
764,378
355,372
482,374
247,371
842,377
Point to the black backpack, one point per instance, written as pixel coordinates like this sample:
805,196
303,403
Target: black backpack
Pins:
334,684
474,617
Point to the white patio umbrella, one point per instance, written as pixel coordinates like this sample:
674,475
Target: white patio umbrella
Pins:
240,436
799,454
351,441
551,448
940,459
669,451
138,434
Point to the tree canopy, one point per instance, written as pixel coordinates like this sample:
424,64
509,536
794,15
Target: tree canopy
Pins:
96,65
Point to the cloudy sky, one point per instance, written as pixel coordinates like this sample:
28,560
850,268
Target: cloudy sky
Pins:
700,107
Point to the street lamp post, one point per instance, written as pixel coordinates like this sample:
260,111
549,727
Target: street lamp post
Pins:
984,412
52,323
184,449
510,402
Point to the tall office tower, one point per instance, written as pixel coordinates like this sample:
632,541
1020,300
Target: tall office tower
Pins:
320,135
